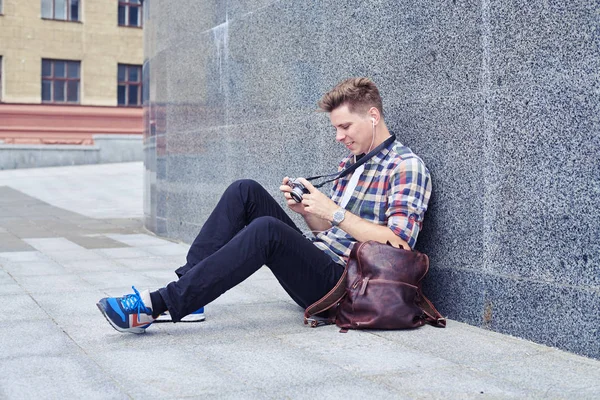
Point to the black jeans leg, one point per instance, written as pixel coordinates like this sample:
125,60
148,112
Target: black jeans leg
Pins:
304,271
241,203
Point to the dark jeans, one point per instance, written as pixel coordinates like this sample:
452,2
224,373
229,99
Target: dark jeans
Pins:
246,230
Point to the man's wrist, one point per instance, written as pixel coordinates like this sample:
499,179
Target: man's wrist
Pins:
338,216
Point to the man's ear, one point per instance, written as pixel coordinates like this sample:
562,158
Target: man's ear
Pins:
374,115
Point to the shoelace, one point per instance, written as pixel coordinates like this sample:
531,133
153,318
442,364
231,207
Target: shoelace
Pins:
134,302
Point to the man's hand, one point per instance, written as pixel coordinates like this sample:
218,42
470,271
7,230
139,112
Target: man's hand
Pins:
316,224
316,203
291,203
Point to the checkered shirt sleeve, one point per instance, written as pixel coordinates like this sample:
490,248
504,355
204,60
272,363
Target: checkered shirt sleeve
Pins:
410,189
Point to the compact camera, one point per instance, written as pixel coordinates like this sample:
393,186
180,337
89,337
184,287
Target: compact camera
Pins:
298,189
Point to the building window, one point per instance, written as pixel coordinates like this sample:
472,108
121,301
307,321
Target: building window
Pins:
66,10
129,91
130,12
60,81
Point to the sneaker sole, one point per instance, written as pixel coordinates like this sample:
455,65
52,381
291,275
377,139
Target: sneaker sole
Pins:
118,328
188,318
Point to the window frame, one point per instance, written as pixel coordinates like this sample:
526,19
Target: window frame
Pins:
52,78
128,4
68,11
127,83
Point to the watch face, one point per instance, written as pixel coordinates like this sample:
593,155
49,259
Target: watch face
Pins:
338,216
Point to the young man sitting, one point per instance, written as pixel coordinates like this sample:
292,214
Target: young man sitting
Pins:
384,199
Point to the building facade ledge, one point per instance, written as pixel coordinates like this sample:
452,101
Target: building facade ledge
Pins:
65,124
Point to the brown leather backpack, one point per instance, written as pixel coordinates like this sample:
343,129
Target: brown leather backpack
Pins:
379,289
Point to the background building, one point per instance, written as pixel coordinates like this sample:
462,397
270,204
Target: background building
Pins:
499,98
70,69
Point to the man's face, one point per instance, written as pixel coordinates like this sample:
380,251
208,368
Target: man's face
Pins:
354,130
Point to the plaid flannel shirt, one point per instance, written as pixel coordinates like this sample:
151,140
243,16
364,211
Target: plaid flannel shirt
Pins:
393,190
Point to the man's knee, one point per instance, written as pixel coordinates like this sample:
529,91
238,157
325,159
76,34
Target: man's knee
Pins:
267,228
265,224
245,184
243,187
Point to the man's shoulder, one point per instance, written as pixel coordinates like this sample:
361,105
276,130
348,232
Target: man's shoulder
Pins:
401,151
401,154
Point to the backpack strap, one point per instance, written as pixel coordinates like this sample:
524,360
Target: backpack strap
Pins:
431,315
326,303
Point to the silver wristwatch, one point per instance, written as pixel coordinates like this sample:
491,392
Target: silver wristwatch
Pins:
338,216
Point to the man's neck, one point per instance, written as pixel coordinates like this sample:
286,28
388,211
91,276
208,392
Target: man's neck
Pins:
381,134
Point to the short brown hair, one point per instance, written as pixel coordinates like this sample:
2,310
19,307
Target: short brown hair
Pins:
359,94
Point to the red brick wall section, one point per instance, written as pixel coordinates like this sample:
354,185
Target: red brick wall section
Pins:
56,124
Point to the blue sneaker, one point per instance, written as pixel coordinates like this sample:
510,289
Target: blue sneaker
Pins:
129,313
196,316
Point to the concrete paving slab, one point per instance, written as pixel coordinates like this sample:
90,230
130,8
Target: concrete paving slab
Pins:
450,344
29,338
126,252
57,231
145,263
238,323
182,372
104,265
98,242
244,294
20,307
10,242
453,383
8,287
4,276
174,262
76,305
139,239
90,226
56,244
170,249
126,223
32,231
111,190
57,377
123,280
24,256
272,363
64,284
351,387
75,255
162,276
7,281
252,345
34,268
374,356
13,219
577,377
267,290
262,273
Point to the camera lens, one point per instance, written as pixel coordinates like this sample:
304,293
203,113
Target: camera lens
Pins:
296,194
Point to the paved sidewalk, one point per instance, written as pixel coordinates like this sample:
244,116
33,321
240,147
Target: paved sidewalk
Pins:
71,235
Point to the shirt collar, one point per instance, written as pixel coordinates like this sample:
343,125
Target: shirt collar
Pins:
377,158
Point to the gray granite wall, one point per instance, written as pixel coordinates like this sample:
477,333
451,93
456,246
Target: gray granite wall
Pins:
500,98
